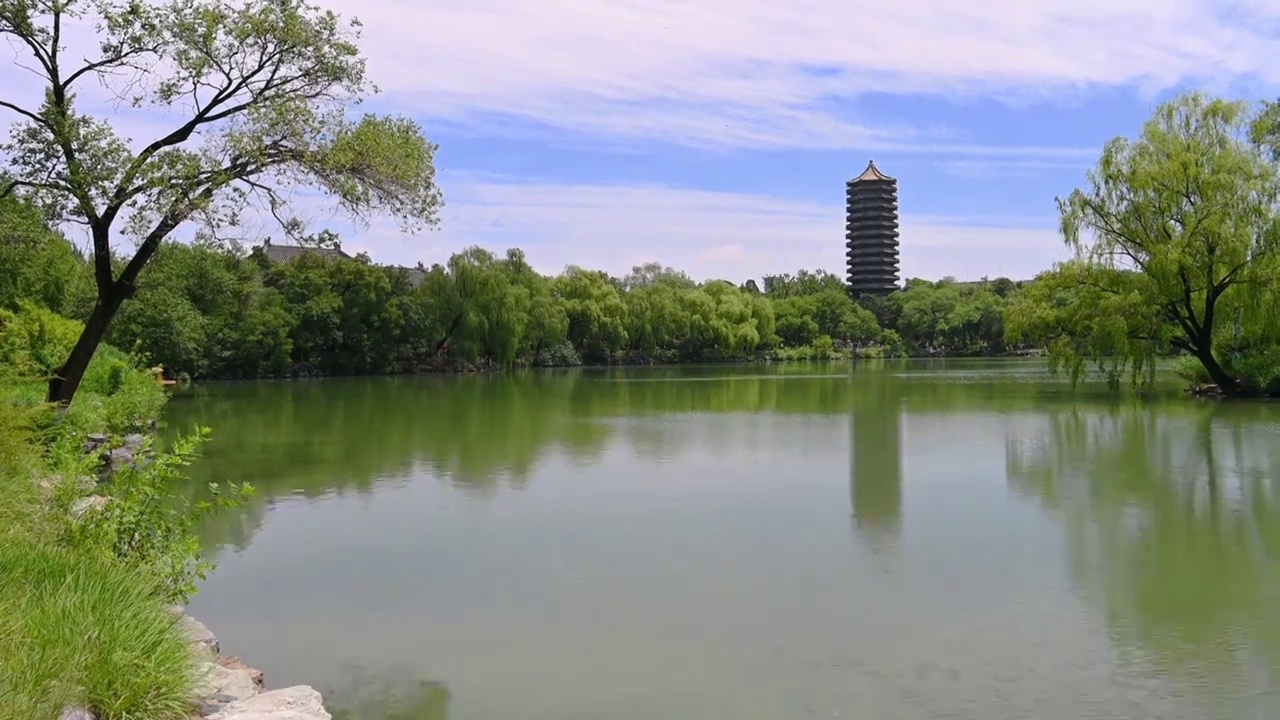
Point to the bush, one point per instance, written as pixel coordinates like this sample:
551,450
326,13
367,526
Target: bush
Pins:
35,341
145,526
1259,366
1191,370
117,394
77,631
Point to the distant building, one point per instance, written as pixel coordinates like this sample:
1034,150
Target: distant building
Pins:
289,253
872,233
284,254
415,274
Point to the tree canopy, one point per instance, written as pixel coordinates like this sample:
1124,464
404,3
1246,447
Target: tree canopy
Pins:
1175,241
214,309
262,92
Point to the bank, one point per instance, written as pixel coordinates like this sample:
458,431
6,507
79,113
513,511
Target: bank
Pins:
98,551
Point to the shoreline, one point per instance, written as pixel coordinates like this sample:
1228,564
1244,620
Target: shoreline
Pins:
429,372
228,689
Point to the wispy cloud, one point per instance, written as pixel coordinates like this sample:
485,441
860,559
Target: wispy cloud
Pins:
995,168
763,74
757,73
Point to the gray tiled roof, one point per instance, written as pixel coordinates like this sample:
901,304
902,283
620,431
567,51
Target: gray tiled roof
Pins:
289,253
416,276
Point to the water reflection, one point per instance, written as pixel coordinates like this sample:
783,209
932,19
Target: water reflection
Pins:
875,462
387,694
549,543
1174,531
483,433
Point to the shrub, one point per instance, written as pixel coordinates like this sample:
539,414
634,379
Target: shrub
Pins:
147,527
35,341
1191,370
84,632
117,394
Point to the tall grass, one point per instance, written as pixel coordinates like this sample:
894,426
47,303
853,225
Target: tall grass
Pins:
78,631
19,462
83,601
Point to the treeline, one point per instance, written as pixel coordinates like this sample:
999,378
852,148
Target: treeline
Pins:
212,310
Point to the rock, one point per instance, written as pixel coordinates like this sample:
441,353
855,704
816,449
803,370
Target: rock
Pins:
93,442
233,663
85,504
121,457
76,714
217,682
300,702
83,484
134,442
199,635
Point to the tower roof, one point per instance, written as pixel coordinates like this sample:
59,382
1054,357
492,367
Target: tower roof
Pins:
871,173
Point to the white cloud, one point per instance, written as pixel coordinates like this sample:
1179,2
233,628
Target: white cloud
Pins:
708,234
763,74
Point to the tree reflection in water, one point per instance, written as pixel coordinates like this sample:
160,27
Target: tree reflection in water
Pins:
1173,519
387,694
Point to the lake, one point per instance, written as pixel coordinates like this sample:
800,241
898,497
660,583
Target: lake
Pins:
881,540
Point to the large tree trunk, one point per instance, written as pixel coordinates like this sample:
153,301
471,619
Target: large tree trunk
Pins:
1224,380
66,381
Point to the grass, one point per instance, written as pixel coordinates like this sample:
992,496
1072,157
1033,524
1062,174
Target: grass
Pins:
84,632
80,623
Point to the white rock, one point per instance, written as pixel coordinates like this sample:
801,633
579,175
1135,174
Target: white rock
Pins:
71,713
199,635
300,702
216,681
85,504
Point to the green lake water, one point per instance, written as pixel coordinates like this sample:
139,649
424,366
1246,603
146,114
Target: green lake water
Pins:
892,540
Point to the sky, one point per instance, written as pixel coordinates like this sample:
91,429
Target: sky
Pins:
716,136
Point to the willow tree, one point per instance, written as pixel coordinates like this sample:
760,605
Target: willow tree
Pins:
1175,234
259,94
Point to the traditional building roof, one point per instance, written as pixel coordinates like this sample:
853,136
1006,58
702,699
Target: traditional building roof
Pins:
289,253
871,173
416,275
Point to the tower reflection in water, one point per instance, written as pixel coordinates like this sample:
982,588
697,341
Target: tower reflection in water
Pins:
875,458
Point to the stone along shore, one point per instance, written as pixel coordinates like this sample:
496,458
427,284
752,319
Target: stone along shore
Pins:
230,690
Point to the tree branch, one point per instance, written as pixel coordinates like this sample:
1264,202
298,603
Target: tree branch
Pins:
33,117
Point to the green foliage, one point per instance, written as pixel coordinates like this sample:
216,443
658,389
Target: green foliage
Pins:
20,460
36,264
143,527
1086,314
207,310
80,631
34,340
1176,236
86,579
261,91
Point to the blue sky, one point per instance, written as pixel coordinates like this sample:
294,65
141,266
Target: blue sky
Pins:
715,136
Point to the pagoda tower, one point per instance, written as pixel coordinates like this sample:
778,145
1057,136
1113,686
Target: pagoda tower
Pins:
872,232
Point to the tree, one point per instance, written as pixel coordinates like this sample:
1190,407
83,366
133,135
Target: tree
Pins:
264,88
35,263
1189,208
